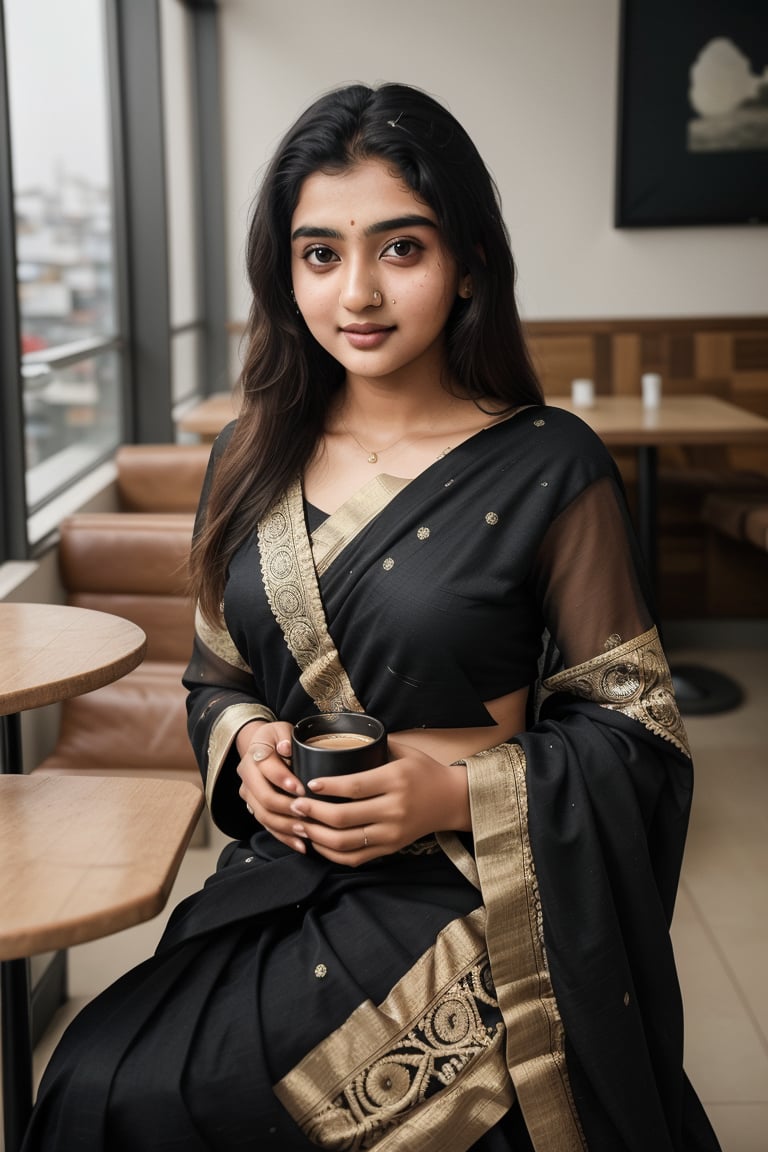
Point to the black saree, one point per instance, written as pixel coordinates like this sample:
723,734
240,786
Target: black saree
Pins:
510,990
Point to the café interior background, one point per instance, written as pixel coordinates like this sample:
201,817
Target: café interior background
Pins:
535,83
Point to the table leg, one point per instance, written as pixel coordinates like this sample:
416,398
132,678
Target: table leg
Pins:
647,506
15,994
10,744
17,1051
698,690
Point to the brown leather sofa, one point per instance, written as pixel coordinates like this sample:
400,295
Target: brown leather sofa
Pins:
133,563
160,477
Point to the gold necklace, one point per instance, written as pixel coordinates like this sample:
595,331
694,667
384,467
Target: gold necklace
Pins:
373,457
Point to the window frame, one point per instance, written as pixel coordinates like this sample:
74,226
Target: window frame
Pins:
144,335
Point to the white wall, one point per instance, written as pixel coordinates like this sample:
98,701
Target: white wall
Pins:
534,82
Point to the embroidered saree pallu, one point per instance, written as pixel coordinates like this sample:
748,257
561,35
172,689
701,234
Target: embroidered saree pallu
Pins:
507,990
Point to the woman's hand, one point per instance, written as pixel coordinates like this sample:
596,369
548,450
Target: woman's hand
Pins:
388,807
264,747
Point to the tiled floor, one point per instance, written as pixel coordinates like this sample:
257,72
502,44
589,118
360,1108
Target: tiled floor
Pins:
720,928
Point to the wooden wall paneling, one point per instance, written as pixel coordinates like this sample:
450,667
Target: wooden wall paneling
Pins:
561,359
750,389
713,355
680,356
750,353
653,352
602,356
627,363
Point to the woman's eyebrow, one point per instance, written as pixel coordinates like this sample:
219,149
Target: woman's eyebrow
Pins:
412,221
319,233
316,231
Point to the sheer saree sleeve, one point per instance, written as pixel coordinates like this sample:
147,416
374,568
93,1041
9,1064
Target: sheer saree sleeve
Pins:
222,696
603,644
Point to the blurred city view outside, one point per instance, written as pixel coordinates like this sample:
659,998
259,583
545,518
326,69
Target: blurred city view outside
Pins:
65,246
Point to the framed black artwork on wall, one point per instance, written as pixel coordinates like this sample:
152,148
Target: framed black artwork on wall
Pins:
693,113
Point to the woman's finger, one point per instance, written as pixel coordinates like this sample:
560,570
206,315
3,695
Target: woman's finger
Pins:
265,761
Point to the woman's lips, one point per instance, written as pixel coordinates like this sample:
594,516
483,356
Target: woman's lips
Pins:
366,335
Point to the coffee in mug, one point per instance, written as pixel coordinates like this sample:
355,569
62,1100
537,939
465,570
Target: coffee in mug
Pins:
337,744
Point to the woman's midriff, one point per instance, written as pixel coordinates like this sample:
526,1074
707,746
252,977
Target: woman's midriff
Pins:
449,744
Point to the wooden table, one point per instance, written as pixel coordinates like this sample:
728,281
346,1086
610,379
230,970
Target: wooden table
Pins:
87,855
622,421
47,653
208,417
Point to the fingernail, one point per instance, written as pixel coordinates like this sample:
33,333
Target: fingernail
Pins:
284,747
299,808
299,830
289,784
300,846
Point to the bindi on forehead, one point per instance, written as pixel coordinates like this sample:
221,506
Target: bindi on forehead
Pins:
351,223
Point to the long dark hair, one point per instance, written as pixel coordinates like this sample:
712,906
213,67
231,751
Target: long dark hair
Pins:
288,380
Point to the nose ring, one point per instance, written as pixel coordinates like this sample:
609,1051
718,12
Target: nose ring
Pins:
377,297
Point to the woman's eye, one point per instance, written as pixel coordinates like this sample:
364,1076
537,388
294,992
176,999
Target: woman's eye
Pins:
320,255
401,248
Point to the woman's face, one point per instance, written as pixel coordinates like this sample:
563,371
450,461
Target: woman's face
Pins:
372,276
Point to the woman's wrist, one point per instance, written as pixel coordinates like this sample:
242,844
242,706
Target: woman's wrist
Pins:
248,734
462,813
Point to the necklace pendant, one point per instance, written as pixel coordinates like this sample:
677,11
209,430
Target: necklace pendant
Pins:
373,458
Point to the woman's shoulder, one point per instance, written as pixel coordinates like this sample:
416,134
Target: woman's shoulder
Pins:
224,437
561,438
570,431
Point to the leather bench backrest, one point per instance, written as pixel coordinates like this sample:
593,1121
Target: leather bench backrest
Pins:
160,477
133,565
136,724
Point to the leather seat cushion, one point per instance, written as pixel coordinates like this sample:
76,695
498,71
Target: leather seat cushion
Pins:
137,723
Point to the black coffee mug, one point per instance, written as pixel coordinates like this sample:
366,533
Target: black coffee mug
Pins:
337,744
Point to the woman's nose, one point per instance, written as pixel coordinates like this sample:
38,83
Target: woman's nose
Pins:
359,291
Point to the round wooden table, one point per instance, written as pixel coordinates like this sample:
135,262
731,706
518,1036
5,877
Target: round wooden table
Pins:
48,652
51,652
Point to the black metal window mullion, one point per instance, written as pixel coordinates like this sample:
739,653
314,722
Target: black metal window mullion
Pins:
211,211
148,304
13,509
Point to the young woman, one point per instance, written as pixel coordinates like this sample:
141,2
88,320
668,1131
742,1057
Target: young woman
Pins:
473,950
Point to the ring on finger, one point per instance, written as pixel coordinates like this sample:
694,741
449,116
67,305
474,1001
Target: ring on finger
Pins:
260,751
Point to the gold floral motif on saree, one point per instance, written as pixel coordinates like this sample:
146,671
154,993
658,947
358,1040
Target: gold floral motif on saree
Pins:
395,1077
290,582
632,678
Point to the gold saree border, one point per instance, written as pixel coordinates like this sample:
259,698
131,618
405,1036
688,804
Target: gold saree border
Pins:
633,678
515,938
228,724
421,1070
290,581
223,735
219,641
346,522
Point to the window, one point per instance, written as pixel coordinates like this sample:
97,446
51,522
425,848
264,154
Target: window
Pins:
63,197
112,269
